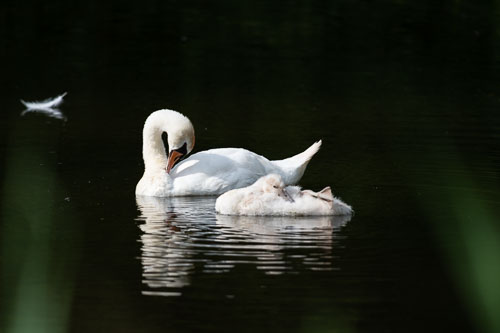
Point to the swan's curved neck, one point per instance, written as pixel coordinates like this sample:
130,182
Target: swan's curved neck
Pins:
153,149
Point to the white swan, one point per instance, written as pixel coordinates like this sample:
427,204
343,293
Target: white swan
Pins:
269,196
209,172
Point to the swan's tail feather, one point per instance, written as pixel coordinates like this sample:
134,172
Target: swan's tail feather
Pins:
293,168
303,157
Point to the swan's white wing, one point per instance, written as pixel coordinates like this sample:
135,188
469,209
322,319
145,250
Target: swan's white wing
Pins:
46,104
216,171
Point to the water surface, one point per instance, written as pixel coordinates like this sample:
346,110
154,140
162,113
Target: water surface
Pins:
404,95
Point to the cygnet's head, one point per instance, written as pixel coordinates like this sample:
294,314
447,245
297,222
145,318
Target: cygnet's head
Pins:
274,184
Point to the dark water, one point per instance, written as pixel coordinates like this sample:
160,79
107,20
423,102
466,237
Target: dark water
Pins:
404,94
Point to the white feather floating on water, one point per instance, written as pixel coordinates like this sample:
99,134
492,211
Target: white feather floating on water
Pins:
48,107
49,103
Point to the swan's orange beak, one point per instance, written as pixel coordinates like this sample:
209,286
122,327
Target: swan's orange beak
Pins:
173,158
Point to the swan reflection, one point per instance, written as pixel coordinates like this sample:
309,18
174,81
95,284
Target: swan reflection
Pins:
183,236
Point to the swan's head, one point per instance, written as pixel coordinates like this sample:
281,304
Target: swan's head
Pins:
180,139
274,184
180,134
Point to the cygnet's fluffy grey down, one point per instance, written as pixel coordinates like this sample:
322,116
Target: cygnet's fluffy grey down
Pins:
269,196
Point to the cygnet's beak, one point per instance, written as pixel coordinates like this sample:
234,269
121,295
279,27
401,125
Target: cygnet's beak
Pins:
287,196
173,158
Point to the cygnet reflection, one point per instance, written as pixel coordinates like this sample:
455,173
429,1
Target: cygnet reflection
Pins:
183,237
289,244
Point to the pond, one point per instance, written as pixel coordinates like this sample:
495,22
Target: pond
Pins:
403,94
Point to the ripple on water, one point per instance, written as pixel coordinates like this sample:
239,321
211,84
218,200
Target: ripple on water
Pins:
184,236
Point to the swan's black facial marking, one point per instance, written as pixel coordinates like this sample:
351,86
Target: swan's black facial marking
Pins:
164,138
182,150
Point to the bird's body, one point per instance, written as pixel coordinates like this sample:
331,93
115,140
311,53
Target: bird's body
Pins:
209,172
269,196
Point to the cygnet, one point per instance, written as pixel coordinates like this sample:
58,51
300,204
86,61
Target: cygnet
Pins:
269,196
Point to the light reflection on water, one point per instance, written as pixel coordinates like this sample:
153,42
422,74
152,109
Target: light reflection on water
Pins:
183,236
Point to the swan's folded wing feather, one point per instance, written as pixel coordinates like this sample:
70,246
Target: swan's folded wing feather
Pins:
216,171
